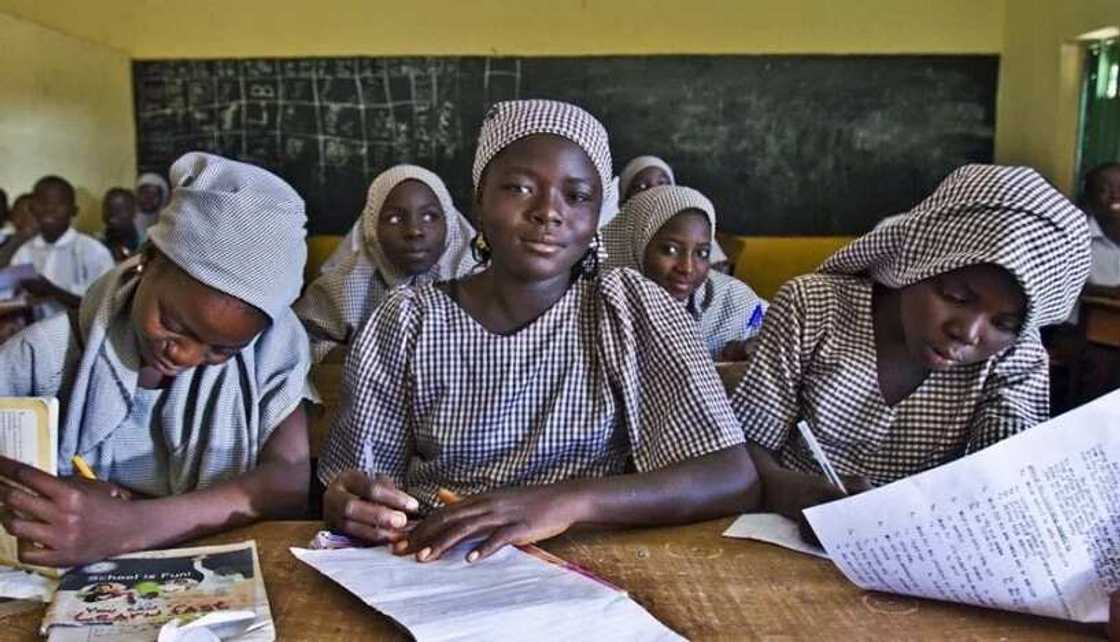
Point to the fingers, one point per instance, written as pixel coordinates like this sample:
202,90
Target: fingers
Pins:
31,535
380,490
33,478
371,534
504,536
447,528
29,505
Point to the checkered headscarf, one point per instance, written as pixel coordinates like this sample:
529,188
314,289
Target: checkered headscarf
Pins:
237,228
510,121
459,231
635,167
1007,216
647,211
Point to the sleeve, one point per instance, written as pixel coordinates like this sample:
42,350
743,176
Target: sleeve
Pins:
371,431
1016,394
282,361
319,312
673,403
34,362
766,401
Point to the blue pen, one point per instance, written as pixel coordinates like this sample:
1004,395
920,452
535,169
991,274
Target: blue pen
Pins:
755,321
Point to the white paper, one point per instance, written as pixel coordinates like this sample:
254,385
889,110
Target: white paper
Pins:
772,528
24,585
510,596
1030,524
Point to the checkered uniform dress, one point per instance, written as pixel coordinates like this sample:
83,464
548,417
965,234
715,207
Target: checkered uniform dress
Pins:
337,304
725,308
816,359
610,379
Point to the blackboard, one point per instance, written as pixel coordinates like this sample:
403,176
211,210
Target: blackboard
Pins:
784,145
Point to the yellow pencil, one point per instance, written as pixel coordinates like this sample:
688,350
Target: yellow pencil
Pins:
83,468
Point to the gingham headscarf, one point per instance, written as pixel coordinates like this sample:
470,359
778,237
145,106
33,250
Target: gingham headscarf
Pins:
510,121
151,178
1007,216
647,211
459,231
635,167
237,228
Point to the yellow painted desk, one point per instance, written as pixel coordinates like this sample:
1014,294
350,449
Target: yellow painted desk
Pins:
702,585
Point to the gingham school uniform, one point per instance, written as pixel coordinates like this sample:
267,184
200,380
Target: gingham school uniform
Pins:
337,304
609,379
725,308
816,357
235,228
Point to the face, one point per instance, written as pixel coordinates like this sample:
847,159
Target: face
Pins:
1104,196
117,209
412,227
645,179
23,216
962,317
539,207
676,258
181,323
149,197
53,210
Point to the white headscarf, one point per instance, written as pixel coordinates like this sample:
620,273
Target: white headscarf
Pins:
456,247
151,178
635,167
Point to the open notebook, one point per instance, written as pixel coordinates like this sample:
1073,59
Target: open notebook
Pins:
29,434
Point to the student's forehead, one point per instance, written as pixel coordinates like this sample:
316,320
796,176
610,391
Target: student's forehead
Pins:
980,274
543,150
411,188
686,221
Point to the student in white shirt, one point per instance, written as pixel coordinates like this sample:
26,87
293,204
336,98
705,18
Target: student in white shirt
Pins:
1101,201
66,260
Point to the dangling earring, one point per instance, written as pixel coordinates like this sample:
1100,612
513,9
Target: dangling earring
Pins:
480,249
596,254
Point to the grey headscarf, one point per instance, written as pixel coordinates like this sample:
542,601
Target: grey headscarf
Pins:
226,222
1007,216
238,229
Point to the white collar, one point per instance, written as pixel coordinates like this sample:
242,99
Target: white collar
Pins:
68,237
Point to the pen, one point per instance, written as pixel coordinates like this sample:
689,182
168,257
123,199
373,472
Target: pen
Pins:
83,468
818,454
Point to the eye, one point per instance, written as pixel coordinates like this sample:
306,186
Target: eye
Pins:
516,188
392,219
953,293
1007,325
430,216
704,253
169,324
668,249
579,196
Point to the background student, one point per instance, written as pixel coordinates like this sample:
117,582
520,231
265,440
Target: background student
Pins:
66,260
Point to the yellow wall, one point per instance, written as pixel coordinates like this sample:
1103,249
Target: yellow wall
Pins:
216,28
65,108
1039,80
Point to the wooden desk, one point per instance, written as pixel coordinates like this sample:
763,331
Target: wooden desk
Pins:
702,585
1100,316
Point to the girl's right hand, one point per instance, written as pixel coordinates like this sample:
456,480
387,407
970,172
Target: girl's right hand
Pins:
802,490
374,510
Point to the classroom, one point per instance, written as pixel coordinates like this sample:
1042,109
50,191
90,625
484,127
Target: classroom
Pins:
582,319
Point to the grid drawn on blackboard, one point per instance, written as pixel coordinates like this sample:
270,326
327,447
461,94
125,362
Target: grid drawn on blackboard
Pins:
335,115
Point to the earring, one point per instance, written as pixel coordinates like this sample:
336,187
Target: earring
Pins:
480,249
596,254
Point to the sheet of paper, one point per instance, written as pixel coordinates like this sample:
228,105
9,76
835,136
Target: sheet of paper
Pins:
10,278
1030,524
510,596
24,585
772,528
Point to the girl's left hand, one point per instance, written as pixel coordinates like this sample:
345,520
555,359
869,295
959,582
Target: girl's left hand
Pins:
64,521
512,516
